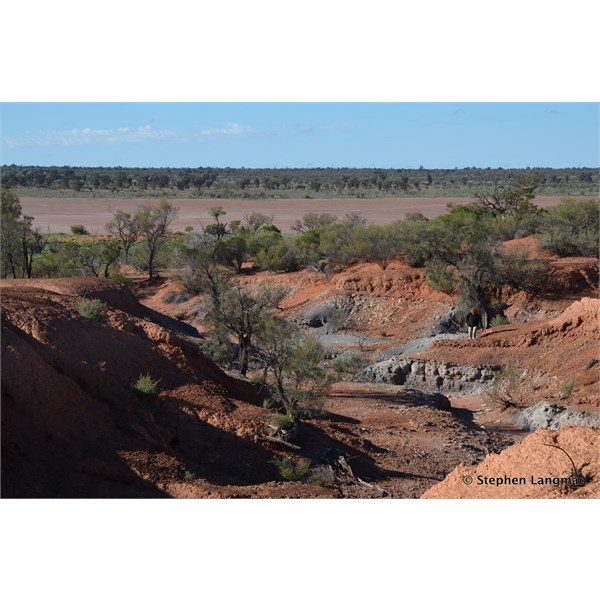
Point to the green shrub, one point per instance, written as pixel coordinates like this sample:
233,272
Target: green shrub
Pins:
119,278
79,230
189,476
349,364
520,271
292,471
93,309
257,378
507,389
499,320
281,255
282,421
146,387
181,297
572,228
567,389
322,475
441,278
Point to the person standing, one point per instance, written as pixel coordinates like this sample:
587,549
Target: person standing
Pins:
473,323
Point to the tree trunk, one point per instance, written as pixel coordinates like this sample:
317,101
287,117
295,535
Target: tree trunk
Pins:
244,342
150,262
484,306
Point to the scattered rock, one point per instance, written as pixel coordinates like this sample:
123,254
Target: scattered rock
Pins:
544,415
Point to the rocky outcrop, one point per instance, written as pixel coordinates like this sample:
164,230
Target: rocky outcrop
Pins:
550,416
429,375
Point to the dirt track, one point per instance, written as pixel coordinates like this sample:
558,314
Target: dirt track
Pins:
58,214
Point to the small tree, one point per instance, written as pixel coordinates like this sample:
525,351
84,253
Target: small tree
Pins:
153,223
239,311
231,252
19,240
97,256
512,199
256,220
126,228
216,229
381,244
32,242
294,360
314,220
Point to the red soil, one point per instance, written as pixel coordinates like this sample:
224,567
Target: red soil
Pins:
72,426
513,469
560,348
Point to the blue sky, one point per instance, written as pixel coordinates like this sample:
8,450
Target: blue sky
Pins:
387,135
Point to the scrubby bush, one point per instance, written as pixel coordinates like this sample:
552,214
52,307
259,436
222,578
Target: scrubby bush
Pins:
499,320
120,278
567,389
322,475
79,230
257,379
93,309
336,319
349,364
282,255
572,228
518,270
232,251
379,244
290,470
146,387
181,297
282,421
508,389
441,277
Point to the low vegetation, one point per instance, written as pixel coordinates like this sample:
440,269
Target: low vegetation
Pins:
93,309
499,320
508,389
290,470
79,230
146,387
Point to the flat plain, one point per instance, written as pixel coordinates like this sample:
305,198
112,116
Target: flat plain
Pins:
58,214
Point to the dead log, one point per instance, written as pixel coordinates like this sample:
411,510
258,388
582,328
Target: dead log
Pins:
276,440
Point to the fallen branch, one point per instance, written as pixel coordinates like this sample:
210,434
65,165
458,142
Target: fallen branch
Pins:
276,440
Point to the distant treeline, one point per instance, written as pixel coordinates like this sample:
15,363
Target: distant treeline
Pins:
253,183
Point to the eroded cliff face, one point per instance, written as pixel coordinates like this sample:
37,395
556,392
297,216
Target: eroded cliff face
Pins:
72,425
432,376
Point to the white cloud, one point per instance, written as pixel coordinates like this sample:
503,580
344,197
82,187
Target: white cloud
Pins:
228,129
82,137
118,135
